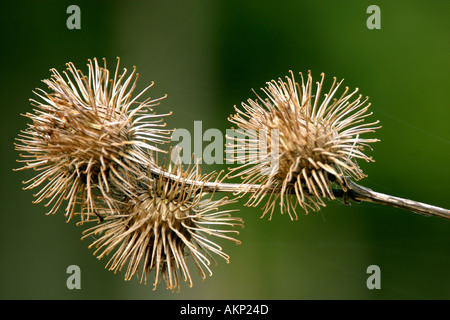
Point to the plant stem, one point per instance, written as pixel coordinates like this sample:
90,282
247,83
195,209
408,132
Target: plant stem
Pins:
355,192
360,193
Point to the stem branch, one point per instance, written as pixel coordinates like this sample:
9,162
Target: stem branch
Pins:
356,192
360,193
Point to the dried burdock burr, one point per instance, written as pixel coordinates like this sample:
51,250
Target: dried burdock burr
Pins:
88,137
299,146
164,225
318,141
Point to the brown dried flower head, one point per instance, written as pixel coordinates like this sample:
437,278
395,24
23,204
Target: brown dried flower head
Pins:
88,136
167,223
314,141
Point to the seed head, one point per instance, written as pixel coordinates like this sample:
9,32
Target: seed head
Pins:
315,142
165,225
87,137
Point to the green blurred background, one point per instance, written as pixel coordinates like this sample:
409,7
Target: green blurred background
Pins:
207,56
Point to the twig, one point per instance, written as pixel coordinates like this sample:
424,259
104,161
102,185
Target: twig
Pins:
360,193
355,192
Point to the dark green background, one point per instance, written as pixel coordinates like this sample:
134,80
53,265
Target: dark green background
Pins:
208,55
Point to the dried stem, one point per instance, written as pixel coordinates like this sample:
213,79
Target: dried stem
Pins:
355,192
360,193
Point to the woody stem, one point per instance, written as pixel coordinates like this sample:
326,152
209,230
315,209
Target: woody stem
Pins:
355,192
360,193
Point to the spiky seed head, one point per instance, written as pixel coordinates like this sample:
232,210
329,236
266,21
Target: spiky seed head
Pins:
313,139
88,135
165,225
